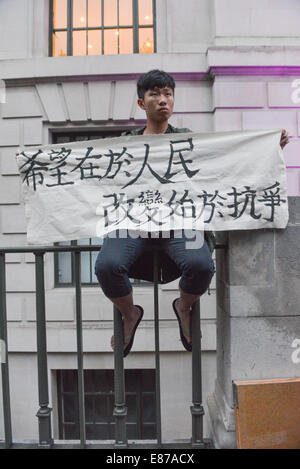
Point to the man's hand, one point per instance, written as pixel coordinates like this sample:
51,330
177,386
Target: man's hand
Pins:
284,138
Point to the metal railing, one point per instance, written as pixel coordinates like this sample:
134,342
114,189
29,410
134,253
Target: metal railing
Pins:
44,412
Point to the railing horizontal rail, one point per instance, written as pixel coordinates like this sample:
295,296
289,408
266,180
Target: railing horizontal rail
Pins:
33,249
79,248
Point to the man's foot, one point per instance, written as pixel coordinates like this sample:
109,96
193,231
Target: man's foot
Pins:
130,324
184,320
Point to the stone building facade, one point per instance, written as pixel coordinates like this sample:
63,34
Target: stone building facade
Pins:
237,67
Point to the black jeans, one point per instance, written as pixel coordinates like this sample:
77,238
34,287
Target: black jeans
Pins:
118,254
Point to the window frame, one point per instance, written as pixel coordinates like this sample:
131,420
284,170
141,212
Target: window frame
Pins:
134,26
135,377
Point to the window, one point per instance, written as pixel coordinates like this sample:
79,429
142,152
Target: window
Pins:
63,265
99,404
95,27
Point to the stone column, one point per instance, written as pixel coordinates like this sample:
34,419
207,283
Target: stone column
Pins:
258,314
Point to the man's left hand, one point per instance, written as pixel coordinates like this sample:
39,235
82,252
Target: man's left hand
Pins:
284,138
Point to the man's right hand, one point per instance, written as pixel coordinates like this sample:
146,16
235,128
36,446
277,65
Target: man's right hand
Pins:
284,138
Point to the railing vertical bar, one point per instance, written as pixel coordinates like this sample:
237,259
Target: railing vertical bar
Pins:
120,409
77,272
197,410
157,361
4,355
44,412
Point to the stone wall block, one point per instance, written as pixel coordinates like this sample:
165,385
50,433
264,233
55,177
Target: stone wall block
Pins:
253,300
294,210
8,163
9,132
262,347
234,94
51,101
10,190
271,119
251,257
287,244
21,102
124,100
293,182
280,94
227,120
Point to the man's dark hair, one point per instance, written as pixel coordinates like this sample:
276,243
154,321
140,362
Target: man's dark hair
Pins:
154,79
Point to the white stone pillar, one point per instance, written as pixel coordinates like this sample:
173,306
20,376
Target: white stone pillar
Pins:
258,314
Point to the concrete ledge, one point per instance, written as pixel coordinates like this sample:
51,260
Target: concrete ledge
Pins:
221,421
104,66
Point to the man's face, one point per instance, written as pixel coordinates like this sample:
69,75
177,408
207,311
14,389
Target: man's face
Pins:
158,104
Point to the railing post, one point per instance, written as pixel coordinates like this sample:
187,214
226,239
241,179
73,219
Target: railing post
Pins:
4,355
120,410
197,410
44,412
157,362
77,272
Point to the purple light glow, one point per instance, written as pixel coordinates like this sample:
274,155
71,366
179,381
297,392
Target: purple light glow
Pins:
284,107
256,70
239,107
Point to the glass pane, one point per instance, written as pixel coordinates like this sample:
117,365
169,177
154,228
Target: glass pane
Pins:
85,261
131,408
97,241
148,432
111,41
148,408
71,432
69,408
59,40
94,42
148,380
79,42
79,14
64,265
83,242
85,267
94,13
89,431
62,139
94,257
132,431
146,45
95,137
69,380
145,12
60,14
90,381
132,377
125,12
126,41
101,408
100,432
80,138
89,408
110,13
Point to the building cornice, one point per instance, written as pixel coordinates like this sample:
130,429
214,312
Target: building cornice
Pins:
218,61
41,69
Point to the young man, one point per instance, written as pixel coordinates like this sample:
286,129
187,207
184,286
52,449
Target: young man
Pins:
121,258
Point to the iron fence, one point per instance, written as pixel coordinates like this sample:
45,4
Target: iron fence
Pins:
120,411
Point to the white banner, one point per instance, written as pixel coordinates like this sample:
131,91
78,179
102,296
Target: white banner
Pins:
145,183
